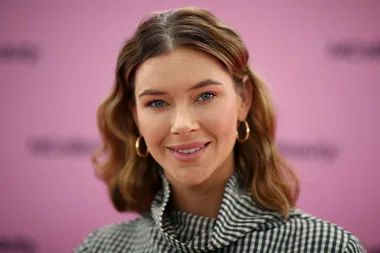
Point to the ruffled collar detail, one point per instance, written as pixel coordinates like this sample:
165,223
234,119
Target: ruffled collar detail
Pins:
238,215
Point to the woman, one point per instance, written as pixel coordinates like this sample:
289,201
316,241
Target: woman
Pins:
189,133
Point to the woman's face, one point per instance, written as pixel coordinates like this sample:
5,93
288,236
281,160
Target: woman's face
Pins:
187,111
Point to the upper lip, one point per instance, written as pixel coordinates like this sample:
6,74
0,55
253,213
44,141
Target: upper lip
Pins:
191,145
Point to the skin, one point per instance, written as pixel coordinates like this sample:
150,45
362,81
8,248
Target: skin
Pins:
171,109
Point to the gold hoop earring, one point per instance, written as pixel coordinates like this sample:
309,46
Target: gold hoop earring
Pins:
247,131
137,146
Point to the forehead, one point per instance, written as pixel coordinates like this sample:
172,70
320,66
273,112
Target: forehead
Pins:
180,66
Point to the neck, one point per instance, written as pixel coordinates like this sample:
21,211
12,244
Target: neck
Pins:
204,199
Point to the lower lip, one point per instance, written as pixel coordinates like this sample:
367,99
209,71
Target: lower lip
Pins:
188,157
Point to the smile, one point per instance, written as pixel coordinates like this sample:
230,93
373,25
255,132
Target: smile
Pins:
188,152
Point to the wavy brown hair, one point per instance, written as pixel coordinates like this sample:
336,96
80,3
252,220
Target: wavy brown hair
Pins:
132,180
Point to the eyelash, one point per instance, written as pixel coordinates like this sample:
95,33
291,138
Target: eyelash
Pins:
150,103
207,100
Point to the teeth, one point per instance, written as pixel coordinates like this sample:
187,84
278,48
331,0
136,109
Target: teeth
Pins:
189,151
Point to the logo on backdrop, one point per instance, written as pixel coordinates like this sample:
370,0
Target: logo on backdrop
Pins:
80,146
354,50
74,146
324,151
19,52
18,244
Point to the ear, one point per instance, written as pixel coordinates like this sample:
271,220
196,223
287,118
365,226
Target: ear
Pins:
246,98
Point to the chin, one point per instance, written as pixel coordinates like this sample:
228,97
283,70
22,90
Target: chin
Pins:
189,177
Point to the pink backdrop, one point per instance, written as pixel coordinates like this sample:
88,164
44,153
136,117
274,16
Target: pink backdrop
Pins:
321,60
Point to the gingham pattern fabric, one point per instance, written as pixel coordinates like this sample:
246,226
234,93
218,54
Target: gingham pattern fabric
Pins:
241,226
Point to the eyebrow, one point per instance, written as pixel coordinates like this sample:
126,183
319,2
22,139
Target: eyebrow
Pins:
201,84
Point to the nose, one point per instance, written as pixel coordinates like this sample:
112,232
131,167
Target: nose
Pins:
183,122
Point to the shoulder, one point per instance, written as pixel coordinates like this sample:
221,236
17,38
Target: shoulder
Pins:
115,236
322,235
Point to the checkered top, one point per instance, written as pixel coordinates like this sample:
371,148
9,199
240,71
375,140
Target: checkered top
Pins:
241,226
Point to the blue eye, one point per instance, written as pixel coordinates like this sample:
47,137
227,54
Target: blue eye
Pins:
205,97
157,104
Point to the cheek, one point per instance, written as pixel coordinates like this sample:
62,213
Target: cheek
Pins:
151,132
221,121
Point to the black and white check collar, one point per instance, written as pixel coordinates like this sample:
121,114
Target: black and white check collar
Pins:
238,215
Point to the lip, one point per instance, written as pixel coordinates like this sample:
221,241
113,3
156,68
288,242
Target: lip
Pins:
189,157
187,146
